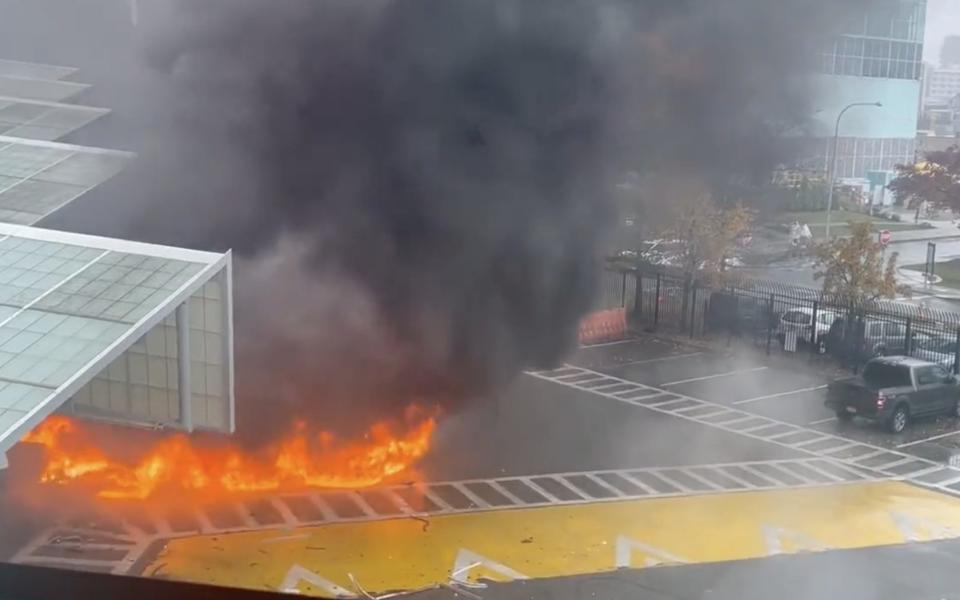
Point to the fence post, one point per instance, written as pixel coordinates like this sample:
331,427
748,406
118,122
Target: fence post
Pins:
956,354
693,309
770,324
638,300
656,304
706,307
908,337
814,333
623,290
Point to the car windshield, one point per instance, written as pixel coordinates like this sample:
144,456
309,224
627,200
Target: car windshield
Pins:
880,375
479,299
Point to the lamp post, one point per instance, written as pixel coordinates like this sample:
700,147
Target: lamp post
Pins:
833,164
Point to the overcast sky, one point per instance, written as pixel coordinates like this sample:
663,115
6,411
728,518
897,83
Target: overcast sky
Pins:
943,19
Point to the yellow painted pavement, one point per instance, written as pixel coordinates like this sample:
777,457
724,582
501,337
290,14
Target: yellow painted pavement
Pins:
564,540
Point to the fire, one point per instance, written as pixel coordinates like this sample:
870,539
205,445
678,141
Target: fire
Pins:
178,467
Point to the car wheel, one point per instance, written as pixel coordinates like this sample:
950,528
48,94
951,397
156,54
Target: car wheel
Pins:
844,417
899,419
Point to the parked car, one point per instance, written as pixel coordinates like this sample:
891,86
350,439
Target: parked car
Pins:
800,321
879,338
893,390
935,349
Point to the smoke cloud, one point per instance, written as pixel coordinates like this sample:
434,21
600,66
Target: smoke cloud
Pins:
418,190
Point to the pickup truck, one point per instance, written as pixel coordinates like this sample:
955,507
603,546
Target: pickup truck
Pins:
893,390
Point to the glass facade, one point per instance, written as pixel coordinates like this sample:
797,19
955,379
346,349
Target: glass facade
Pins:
877,59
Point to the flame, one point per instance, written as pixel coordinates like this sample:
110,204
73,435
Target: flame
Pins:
178,467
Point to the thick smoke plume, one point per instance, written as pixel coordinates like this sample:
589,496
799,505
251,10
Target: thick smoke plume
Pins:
418,190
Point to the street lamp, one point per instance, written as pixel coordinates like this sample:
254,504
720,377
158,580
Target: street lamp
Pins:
833,164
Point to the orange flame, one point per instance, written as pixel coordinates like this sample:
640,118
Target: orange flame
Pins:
176,465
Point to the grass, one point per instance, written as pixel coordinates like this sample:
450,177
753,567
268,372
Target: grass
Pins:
949,271
838,222
842,229
820,217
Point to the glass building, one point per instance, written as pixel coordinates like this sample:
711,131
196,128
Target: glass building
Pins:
878,59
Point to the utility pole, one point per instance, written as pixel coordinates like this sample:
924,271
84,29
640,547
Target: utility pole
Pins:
833,167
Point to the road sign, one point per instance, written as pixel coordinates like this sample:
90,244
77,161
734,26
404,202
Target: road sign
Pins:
885,236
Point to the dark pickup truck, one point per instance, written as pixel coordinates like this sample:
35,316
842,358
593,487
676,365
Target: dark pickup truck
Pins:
893,390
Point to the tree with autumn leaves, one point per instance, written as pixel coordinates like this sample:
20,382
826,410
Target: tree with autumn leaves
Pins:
934,181
854,268
701,233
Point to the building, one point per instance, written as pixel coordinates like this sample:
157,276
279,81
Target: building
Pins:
941,85
104,328
877,59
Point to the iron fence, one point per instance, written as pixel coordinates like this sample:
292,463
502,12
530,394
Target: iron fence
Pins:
782,318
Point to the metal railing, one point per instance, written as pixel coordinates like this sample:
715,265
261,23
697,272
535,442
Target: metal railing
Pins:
782,318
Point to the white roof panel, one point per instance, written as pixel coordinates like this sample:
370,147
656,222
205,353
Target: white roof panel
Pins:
70,304
16,68
40,120
38,177
39,89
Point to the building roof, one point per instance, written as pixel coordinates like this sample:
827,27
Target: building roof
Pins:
41,120
40,89
16,68
70,304
38,177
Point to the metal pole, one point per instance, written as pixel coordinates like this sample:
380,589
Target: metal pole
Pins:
814,342
183,364
908,336
638,300
833,163
693,310
956,354
770,324
623,290
656,304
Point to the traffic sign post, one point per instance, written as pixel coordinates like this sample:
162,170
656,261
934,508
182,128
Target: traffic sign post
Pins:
931,262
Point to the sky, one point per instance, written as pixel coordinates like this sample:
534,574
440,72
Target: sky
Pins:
943,19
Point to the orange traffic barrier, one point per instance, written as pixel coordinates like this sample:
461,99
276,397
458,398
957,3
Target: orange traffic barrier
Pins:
603,326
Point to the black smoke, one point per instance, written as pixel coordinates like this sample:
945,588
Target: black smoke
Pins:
417,191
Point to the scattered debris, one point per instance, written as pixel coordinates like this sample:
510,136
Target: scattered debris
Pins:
528,540
426,522
67,539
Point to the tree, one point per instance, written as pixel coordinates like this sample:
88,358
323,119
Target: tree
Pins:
853,268
934,182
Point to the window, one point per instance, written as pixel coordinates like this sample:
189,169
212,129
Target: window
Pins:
878,375
894,329
942,375
797,317
927,375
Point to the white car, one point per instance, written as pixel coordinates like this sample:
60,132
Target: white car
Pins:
800,320
935,349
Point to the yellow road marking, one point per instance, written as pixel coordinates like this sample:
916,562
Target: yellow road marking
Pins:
563,540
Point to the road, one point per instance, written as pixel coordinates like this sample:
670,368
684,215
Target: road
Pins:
643,453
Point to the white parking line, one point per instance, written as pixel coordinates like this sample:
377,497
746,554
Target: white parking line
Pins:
653,360
929,439
790,393
821,421
727,374
610,344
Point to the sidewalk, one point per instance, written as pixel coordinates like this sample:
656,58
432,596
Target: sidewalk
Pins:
918,283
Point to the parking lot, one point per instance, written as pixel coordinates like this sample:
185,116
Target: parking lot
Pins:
788,388
646,452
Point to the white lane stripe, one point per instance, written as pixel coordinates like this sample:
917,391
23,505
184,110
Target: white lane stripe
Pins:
654,360
781,394
822,421
727,374
611,344
928,439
